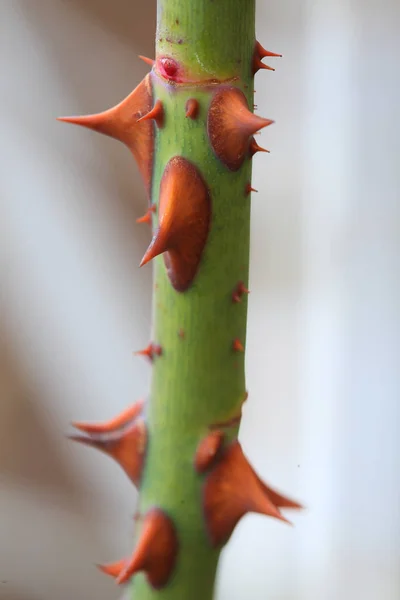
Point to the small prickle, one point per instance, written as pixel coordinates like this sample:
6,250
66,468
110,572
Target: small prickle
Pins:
151,351
258,55
237,345
238,292
254,147
147,217
192,108
156,114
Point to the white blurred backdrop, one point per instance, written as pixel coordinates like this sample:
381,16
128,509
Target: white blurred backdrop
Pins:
322,421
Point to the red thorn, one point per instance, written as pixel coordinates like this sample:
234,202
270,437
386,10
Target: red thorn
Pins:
233,489
263,53
207,450
156,114
258,64
258,55
238,292
249,189
184,217
192,108
230,126
237,346
156,550
118,422
122,123
147,216
148,61
150,351
254,147
126,447
113,569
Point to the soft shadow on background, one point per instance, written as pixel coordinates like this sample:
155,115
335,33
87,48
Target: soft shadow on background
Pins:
322,421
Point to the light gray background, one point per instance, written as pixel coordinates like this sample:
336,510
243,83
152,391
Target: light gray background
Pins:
322,421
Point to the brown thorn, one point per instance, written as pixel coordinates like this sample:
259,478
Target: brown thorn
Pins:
148,61
263,53
121,123
184,219
147,217
238,292
150,351
156,550
156,113
192,108
231,490
258,64
127,447
230,125
249,189
113,569
254,147
207,450
112,425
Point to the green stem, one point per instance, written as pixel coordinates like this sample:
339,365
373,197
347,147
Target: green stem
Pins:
199,379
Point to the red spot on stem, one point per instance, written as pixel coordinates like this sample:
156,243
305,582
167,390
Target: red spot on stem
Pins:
237,346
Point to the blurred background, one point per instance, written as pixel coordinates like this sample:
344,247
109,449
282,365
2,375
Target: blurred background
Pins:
323,354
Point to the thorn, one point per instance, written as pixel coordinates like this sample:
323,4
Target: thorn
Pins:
184,217
148,61
249,189
118,422
258,55
233,489
113,569
237,345
263,53
238,292
207,450
254,147
156,113
150,351
156,550
192,108
258,65
121,123
147,216
230,125
126,447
